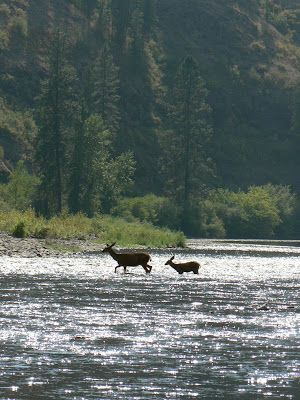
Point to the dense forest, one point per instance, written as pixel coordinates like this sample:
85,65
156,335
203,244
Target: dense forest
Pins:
182,113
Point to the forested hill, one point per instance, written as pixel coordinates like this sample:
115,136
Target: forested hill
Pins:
121,67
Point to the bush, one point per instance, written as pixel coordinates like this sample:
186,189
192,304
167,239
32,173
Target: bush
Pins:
261,212
19,230
19,192
159,211
41,232
209,224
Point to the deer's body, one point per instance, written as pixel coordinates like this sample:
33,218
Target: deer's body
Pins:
129,259
190,266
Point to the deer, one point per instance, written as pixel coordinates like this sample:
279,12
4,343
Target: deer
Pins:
191,266
128,259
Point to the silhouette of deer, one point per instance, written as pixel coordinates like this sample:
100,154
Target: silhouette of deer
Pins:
129,259
191,266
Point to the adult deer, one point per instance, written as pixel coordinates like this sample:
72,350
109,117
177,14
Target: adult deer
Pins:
191,266
129,259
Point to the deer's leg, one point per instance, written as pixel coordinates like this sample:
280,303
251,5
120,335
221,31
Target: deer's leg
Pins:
125,267
118,266
196,271
149,267
146,269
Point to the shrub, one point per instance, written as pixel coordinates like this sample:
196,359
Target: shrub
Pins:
159,211
261,212
19,230
20,191
41,232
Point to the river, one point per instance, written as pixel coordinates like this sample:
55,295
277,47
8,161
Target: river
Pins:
70,328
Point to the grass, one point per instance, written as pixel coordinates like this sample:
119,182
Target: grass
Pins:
102,228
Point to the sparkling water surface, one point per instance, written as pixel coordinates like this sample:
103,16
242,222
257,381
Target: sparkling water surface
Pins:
70,328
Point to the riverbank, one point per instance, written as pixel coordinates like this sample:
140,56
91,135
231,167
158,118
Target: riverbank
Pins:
25,234
31,247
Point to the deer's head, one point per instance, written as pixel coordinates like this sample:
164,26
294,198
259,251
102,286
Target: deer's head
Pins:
108,247
169,262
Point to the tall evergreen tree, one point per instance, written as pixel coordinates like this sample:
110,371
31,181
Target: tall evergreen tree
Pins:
121,21
105,95
149,16
186,147
57,107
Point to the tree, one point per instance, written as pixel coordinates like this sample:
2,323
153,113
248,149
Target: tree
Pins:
58,106
21,188
99,179
105,95
186,148
149,16
121,18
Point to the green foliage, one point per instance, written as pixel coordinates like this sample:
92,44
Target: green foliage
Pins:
20,125
100,178
105,89
143,234
104,228
116,61
4,11
206,222
4,40
18,25
261,212
19,230
186,157
159,211
19,193
58,113
96,145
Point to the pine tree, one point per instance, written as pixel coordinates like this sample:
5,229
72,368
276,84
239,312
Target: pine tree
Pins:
58,104
149,16
121,20
105,96
186,149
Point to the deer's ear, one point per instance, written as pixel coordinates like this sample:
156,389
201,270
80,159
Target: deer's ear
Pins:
107,245
113,244
172,258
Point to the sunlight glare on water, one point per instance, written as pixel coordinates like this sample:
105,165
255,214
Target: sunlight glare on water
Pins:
73,329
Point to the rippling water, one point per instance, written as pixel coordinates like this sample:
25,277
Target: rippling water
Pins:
71,328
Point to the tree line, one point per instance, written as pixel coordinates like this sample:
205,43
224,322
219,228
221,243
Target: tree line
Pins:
122,127
89,145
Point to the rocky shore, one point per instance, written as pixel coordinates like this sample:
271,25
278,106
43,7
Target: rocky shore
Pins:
30,247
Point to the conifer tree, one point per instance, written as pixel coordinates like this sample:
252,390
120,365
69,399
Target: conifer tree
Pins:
149,16
188,137
58,104
105,96
121,21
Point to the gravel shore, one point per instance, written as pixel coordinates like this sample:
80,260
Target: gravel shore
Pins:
30,247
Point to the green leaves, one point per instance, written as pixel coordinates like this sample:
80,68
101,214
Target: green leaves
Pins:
261,212
19,193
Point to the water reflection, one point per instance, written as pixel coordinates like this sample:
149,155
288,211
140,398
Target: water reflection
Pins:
71,328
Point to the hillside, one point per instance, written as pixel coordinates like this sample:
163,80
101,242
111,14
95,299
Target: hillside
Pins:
248,53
